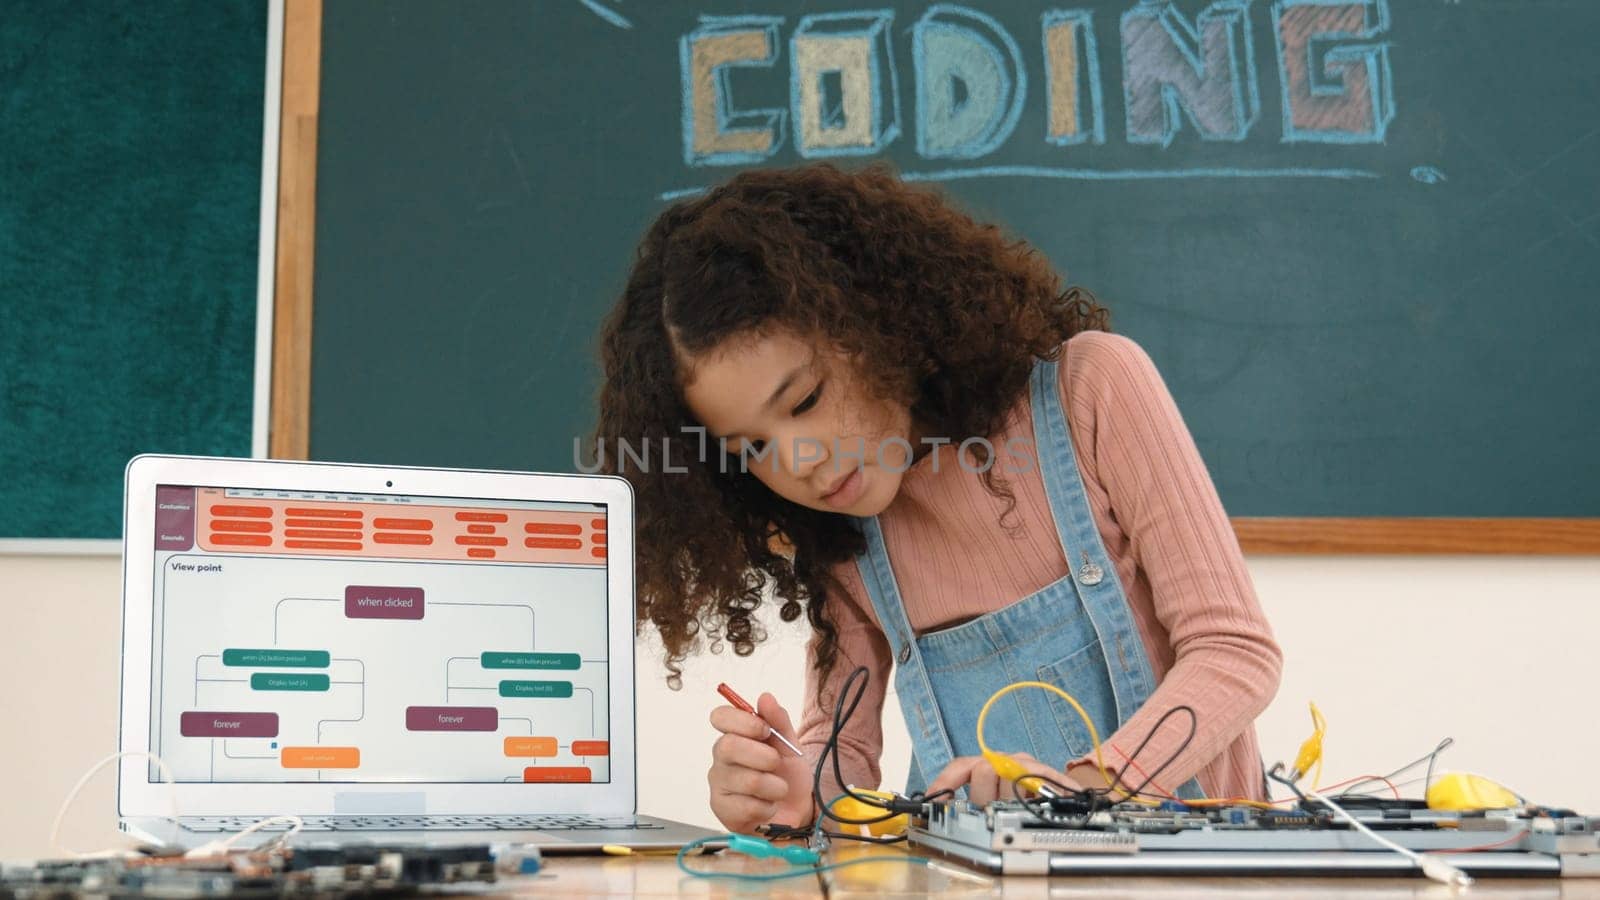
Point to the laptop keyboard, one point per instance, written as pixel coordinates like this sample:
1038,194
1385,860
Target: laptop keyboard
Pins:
223,824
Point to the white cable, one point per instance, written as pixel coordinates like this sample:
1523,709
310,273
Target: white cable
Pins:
1431,866
295,823
221,847
61,814
207,849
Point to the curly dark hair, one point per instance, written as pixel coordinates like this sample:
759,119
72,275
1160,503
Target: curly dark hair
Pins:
946,315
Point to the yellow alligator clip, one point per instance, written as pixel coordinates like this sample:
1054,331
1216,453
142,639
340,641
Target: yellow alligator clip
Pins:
1311,751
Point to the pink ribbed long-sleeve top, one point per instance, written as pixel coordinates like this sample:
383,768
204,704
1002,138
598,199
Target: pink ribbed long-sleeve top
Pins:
1165,529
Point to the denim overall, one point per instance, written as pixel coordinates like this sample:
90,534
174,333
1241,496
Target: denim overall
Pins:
1076,633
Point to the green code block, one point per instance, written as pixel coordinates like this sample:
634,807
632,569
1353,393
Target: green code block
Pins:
536,689
288,659
279,681
491,660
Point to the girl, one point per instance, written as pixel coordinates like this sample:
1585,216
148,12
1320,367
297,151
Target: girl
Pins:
833,392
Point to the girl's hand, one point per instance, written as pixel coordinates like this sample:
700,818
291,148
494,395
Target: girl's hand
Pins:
754,782
984,784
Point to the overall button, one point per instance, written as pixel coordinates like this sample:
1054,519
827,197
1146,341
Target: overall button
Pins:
1090,574
905,654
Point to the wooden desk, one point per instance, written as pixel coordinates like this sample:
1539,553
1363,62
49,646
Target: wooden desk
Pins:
658,876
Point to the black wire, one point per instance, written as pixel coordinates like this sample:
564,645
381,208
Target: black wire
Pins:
1027,803
1093,797
1276,774
776,831
1087,795
845,706
841,716
1194,724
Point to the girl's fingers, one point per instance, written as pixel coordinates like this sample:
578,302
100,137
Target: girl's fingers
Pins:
742,751
982,782
972,772
728,720
741,813
773,713
980,789
731,779
992,783
956,774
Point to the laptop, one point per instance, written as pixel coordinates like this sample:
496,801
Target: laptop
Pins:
392,654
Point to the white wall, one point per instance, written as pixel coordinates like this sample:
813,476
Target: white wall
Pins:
1398,652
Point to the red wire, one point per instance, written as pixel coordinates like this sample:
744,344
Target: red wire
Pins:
1167,795
1350,781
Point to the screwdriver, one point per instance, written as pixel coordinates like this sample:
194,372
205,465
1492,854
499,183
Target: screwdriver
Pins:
744,706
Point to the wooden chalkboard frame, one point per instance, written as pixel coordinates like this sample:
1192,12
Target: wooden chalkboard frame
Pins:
291,370
289,434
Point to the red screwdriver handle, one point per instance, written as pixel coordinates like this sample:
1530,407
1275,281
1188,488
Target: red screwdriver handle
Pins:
738,701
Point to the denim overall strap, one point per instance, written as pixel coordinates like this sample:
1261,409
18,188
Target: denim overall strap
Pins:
1095,577
930,742
1093,573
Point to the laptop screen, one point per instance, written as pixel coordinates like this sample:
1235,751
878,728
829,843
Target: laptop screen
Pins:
324,637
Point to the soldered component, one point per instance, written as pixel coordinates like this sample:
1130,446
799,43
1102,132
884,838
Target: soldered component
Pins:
336,871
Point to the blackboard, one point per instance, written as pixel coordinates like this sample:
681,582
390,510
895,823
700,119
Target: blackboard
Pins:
130,186
1360,240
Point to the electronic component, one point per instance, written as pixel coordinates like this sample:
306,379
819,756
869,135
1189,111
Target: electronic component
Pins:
307,870
1051,827
1010,837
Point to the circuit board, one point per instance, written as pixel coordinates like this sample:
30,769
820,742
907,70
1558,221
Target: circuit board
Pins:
303,871
1010,837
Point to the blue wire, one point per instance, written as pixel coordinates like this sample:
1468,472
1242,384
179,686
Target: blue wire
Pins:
795,872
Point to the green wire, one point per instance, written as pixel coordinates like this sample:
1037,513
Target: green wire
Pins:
797,871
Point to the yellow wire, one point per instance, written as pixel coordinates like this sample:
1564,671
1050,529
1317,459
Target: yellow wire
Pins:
1010,769
1230,801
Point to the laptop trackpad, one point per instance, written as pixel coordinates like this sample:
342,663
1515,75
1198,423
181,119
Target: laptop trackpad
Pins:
353,803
